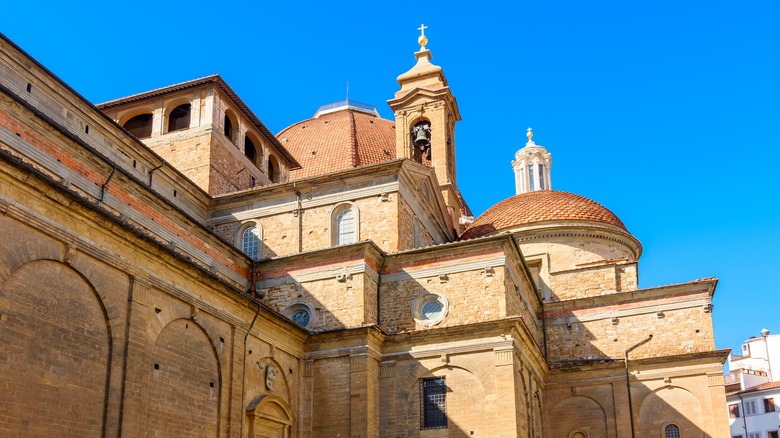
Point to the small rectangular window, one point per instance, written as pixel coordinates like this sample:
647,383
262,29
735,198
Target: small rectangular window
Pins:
531,178
734,411
772,434
750,408
754,435
433,403
769,405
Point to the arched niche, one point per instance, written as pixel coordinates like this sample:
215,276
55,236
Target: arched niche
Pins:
55,341
667,405
184,383
269,417
578,414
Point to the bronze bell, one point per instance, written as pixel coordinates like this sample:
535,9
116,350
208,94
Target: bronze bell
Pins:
421,139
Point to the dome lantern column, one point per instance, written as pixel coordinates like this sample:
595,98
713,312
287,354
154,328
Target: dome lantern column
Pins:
532,167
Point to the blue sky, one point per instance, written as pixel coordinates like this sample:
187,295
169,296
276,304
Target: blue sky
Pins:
665,112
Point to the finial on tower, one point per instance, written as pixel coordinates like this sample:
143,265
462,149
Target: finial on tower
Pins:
530,136
422,39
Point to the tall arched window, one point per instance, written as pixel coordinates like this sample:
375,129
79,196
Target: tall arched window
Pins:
250,242
179,118
249,150
672,431
230,127
345,225
274,171
140,125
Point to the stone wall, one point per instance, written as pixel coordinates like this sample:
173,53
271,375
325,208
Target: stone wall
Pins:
128,336
675,331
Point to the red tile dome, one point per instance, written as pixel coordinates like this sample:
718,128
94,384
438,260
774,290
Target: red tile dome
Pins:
345,138
539,207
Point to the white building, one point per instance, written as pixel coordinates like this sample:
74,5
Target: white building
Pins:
752,388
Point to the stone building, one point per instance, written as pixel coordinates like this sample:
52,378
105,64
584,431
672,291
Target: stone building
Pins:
169,267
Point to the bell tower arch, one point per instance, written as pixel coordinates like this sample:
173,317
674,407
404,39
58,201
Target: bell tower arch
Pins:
426,113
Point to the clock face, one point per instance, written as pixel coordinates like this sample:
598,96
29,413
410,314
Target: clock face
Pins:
301,317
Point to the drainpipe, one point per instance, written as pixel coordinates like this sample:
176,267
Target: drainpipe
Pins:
742,411
151,172
243,365
299,213
628,382
104,187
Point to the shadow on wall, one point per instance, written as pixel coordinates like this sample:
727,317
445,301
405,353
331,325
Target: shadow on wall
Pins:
665,412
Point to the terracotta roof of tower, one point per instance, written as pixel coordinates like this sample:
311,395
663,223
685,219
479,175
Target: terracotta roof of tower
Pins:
540,206
337,141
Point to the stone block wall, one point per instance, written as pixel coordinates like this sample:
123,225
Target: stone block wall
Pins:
678,331
602,279
472,298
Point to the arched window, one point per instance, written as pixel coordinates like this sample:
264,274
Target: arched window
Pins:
250,242
421,141
345,225
230,127
140,125
672,431
274,172
249,150
179,118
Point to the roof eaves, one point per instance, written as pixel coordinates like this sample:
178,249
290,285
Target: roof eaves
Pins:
220,82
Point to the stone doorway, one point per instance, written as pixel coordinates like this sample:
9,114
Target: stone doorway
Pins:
269,417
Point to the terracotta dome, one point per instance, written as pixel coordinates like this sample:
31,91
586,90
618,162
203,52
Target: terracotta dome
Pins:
340,138
538,207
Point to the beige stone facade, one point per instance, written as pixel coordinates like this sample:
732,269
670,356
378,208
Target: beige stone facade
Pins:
183,284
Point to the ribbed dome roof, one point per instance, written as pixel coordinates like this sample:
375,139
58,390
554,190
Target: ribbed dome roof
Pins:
339,140
540,206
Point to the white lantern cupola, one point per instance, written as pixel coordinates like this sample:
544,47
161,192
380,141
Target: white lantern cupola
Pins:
532,167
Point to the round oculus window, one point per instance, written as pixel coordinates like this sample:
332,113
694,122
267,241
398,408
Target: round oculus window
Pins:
430,308
301,314
301,317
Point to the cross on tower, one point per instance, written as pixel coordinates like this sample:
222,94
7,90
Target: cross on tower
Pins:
422,29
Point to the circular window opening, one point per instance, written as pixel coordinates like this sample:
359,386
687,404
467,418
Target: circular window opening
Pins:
300,313
430,308
301,317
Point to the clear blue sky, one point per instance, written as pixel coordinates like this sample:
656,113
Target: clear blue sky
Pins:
667,113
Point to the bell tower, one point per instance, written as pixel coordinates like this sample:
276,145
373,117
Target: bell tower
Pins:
425,115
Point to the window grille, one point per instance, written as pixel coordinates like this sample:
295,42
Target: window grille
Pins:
251,243
672,431
345,225
433,403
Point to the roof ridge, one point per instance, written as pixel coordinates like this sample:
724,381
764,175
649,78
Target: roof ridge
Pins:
353,150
